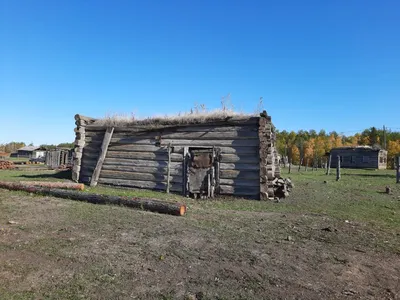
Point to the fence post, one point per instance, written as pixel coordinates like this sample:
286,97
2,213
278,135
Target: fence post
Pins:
301,161
338,169
290,166
398,169
328,165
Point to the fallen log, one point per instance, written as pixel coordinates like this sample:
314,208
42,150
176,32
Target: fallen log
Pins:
152,205
57,185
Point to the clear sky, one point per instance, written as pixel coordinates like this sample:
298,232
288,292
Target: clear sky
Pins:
332,65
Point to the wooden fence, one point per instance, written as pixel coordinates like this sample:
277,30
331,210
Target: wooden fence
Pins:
57,158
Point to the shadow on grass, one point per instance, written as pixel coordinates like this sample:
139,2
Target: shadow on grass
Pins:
59,175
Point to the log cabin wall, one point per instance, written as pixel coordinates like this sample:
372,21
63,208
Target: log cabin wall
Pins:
137,155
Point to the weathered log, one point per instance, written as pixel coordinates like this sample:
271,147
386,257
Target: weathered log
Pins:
176,142
398,169
250,192
176,149
338,169
328,168
103,152
154,177
163,156
174,170
143,204
244,159
209,127
139,163
140,184
240,182
236,174
154,124
198,135
57,185
240,166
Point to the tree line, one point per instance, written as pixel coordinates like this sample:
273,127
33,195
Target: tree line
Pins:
309,147
14,146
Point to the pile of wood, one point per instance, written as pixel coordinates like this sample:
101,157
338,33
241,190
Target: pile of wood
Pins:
5,165
282,187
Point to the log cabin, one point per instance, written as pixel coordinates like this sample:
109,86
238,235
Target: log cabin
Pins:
360,157
199,157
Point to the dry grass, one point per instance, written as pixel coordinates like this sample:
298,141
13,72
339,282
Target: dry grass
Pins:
195,116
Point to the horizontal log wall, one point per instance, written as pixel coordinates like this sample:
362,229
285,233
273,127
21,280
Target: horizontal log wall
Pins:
138,156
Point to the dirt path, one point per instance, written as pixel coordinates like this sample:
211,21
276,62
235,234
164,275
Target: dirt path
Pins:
69,250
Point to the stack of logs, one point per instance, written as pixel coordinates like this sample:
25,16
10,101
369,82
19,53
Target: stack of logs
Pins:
5,165
282,187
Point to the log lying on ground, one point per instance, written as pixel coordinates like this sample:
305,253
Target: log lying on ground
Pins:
152,205
57,185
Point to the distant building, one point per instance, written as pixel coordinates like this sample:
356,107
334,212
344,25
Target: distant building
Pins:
30,151
361,157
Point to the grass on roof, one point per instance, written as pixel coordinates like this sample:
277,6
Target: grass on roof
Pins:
196,116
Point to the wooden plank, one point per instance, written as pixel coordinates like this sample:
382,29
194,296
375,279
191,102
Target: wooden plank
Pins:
140,184
191,143
239,166
236,174
139,176
241,182
157,156
139,163
176,170
103,152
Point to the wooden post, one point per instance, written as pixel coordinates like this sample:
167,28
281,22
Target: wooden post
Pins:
169,167
301,161
306,166
338,169
328,167
185,189
398,169
290,166
102,156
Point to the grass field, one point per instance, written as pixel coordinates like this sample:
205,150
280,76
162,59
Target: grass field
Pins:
328,240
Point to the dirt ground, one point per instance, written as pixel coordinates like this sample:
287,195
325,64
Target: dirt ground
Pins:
60,249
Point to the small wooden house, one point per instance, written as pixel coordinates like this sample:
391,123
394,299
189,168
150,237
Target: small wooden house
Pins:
30,152
199,157
361,157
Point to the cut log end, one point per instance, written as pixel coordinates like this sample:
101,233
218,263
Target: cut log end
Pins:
182,210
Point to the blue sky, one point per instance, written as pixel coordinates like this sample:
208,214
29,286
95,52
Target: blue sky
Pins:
332,65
